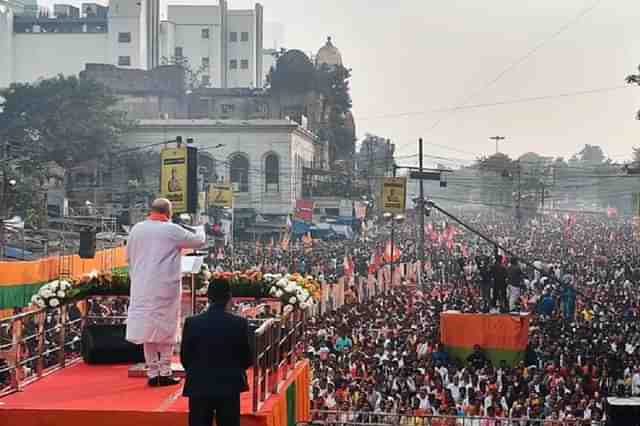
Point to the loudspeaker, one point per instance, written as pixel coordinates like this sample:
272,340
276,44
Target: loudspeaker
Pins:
106,344
87,244
623,411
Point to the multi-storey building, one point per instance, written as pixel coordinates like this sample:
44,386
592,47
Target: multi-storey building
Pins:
225,44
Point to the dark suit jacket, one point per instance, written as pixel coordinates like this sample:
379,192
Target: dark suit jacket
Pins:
215,353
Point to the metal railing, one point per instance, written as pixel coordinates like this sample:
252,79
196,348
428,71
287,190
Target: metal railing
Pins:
35,344
278,347
38,343
362,418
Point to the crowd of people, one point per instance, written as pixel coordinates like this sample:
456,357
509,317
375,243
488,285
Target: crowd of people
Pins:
380,360
385,356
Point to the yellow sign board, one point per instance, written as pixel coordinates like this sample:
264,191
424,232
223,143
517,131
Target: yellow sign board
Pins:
173,177
394,194
221,195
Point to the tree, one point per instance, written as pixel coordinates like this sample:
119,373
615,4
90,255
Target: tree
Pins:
634,79
592,155
64,120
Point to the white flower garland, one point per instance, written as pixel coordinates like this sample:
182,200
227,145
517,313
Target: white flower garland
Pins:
290,293
52,295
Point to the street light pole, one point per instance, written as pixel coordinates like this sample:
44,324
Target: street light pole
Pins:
497,140
420,219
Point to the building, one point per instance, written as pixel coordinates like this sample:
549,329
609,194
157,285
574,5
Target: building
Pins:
262,159
226,44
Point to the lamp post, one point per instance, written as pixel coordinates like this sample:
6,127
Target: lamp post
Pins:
392,220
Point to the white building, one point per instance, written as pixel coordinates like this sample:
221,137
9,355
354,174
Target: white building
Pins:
263,159
226,43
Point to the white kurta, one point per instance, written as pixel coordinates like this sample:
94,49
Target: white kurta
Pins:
154,256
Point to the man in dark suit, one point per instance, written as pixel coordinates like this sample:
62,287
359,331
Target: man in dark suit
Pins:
216,353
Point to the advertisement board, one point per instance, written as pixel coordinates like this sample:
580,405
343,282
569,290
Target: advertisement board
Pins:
394,194
178,178
220,195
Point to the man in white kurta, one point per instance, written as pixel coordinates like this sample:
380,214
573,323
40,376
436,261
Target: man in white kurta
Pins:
154,257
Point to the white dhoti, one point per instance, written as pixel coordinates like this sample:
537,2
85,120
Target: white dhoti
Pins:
157,357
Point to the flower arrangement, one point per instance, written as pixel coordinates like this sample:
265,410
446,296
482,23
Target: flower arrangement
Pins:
291,290
245,284
53,294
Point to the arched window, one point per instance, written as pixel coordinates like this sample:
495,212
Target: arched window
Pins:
239,173
272,173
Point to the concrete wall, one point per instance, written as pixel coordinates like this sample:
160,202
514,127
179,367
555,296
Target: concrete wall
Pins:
242,21
42,55
6,46
189,21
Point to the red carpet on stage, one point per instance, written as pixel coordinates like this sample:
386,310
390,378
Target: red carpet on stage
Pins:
84,395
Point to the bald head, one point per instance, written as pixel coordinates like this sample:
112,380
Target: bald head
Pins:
162,206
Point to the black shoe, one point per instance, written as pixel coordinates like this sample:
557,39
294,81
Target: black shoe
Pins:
154,382
168,381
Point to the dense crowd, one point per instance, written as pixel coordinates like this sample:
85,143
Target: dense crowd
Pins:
381,360
384,355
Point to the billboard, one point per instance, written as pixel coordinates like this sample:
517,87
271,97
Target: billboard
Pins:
220,195
304,210
394,194
178,178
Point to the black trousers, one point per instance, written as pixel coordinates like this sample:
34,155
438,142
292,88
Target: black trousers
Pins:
226,411
500,297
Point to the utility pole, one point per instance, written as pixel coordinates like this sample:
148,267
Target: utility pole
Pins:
518,214
420,218
497,140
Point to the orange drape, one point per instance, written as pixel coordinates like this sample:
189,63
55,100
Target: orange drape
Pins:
510,332
48,269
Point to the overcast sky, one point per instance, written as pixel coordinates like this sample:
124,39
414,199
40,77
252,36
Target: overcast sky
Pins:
417,56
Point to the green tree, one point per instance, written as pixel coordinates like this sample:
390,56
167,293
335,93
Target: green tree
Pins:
64,120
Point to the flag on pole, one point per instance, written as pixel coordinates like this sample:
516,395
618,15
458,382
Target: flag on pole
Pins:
285,242
388,255
348,266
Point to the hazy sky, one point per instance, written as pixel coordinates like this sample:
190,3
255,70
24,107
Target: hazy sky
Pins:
417,56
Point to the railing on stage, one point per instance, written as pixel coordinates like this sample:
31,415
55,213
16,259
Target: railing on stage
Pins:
279,345
38,343
361,418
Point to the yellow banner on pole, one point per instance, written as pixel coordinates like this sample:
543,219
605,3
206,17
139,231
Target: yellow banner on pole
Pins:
173,177
394,194
221,195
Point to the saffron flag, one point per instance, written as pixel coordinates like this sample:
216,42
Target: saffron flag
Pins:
388,255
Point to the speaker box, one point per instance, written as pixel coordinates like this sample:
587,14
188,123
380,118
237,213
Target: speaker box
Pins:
106,344
87,244
623,411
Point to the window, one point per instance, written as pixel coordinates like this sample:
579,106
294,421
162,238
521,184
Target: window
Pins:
239,173
205,62
178,52
204,33
244,64
124,61
233,36
124,37
233,64
272,173
227,108
244,36
206,80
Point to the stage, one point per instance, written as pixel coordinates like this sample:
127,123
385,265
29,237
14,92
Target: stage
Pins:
84,395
